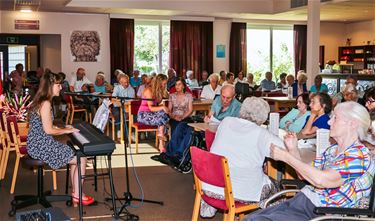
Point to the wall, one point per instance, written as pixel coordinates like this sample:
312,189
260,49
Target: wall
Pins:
50,51
361,32
32,51
221,36
332,36
63,24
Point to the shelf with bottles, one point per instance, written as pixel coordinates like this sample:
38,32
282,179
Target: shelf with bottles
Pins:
359,56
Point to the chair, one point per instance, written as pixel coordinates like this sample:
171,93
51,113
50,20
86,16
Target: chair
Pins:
209,136
43,198
138,127
213,169
7,146
72,108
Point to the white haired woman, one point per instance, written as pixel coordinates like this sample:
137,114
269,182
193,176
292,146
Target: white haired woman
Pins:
211,90
341,177
190,80
299,86
245,144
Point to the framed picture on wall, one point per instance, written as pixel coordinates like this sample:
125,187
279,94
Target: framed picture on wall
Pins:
220,51
85,46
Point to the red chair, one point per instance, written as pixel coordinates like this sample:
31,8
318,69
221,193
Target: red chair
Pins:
138,127
214,170
209,136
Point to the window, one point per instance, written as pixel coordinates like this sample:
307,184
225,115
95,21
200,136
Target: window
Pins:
151,46
266,42
16,55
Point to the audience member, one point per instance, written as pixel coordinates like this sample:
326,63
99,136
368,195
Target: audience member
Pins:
340,177
369,139
321,106
268,84
229,79
318,87
299,86
240,78
337,98
223,77
211,90
350,93
204,80
100,84
154,112
190,80
296,118
171,78
180,104
17,77
250,81
135,81
40,142
282,84
290,80
79,81
245,159
225,105
114,79
123,89
146,81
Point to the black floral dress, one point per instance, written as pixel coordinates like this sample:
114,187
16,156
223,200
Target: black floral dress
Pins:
44,147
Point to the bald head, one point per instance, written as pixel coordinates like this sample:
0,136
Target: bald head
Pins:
227,95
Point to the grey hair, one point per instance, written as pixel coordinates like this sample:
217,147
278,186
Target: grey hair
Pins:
356,112
255,109
214,75
349,88
301,75
188,73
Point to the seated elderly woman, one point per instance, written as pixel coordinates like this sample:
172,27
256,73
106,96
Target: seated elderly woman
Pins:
321,106
211,90
245,144
299,86
350,93
341,177
296,118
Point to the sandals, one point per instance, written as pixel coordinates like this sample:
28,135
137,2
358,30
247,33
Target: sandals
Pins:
86,200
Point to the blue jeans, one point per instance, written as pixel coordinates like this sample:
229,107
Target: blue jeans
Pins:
116,114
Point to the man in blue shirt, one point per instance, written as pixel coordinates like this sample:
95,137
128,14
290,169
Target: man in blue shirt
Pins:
225,105
268,84
123,89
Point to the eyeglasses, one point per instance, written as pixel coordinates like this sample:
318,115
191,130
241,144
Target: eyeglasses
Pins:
370,101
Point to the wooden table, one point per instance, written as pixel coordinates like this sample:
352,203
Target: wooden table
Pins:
202,105
281,102
204,126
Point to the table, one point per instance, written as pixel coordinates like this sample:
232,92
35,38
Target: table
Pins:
204,126
202,105
281,102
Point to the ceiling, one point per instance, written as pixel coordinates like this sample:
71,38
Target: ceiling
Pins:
336,10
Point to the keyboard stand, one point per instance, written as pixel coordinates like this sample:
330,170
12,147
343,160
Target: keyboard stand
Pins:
80,154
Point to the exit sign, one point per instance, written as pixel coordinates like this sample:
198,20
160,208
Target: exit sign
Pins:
12,40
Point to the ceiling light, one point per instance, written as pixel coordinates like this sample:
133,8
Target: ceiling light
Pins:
26,10
26,5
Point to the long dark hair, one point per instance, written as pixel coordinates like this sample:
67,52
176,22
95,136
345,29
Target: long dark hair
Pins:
45,91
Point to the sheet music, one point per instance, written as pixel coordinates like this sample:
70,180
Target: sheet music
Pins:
322,141
273,127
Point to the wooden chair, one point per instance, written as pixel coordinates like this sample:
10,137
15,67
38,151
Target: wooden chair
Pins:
7,146
214,170
138,127
72,108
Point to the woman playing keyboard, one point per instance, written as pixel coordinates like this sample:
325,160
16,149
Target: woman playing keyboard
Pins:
40,143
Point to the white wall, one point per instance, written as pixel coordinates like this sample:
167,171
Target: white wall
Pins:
50,51
361,32
63,24
332,36
221,32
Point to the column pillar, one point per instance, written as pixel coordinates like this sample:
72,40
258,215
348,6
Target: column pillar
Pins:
313,38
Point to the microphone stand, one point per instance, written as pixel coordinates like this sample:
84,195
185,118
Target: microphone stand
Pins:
128,197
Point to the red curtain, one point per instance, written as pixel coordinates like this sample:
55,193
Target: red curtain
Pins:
191,47
237,48
122,45
300,44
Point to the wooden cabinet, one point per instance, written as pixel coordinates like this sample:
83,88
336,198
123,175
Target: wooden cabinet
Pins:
361,57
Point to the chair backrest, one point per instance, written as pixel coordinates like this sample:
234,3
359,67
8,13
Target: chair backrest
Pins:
134,106
208,167
276,94
2,120
12,128
209,136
